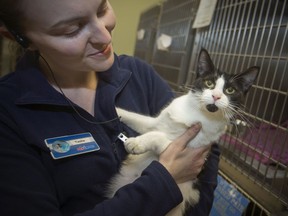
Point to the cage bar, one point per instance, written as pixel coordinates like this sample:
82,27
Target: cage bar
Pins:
254,151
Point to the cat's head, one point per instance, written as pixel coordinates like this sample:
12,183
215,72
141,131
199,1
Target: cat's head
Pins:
218,90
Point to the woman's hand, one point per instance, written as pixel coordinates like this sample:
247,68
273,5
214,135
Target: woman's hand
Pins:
182,162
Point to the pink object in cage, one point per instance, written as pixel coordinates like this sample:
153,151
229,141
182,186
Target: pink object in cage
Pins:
266,143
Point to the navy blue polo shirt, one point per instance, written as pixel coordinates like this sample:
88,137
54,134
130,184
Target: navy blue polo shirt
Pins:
32,182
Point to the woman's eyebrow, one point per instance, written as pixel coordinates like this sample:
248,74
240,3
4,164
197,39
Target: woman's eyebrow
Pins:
63,22
76,18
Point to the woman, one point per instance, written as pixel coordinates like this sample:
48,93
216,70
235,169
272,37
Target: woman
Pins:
62,97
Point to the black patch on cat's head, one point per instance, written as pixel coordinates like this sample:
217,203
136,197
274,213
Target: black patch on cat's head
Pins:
246,79
241,82
205,65
205,71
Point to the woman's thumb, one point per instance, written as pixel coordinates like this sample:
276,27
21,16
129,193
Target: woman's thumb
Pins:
189,134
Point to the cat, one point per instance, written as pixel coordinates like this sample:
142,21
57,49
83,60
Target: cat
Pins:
214,98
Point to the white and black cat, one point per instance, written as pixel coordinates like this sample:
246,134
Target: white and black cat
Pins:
213,100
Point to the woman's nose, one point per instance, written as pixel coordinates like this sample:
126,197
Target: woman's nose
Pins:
100,32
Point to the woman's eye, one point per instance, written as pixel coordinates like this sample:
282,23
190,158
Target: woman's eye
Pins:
73,32
230,90
210,84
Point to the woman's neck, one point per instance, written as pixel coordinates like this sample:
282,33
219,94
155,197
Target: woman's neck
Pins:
68,79
78,87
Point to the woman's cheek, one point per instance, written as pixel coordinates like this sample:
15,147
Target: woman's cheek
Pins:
71,48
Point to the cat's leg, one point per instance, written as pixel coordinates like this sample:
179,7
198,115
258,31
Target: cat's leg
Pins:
190,195
130,170
138,122
154,141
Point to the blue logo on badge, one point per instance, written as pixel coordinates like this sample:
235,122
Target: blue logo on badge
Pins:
60,146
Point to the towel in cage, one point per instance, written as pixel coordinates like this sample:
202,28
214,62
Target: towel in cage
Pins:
264,143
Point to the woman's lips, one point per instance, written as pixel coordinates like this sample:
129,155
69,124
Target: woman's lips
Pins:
105,51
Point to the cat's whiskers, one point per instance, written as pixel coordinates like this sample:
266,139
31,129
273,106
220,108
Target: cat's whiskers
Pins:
238,110
249,125
239,114
231,114
227,113
189,87
202,103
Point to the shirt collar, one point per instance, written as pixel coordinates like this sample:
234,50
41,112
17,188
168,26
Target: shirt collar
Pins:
35,88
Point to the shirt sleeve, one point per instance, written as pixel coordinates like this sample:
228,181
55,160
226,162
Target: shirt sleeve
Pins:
26,186
145,191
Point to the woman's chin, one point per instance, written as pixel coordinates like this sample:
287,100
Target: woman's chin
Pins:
102,64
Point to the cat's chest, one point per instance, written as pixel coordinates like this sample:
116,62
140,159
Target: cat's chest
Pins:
213,127
210,132
190,116
175,125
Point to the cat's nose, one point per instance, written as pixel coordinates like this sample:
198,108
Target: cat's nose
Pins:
216,97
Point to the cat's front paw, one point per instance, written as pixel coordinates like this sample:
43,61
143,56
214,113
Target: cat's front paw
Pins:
134,146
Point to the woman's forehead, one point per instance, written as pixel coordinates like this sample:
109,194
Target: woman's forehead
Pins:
50,12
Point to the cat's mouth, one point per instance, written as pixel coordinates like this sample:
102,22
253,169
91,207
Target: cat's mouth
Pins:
211,107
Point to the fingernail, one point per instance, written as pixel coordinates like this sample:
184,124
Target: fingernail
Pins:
197,126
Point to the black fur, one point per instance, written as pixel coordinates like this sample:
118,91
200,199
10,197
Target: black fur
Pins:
241,82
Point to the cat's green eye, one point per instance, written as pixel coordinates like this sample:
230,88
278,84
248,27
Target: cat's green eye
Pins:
210,84
230,90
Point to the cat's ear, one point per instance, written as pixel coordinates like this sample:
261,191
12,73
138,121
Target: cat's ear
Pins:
248,77
205,64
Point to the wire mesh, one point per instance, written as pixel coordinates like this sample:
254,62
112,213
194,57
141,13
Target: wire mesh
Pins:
242,34
175,20
253,208
148,25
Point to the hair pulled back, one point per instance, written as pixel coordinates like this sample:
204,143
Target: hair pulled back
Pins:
11,15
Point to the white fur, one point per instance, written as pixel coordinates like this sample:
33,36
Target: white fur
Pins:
158,132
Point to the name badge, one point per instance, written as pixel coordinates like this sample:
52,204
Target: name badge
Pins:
70,145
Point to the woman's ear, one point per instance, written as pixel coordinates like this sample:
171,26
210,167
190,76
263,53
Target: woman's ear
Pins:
5,33
15,36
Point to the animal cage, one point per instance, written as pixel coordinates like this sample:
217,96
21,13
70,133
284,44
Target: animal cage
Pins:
254,157
175,21
242,33
146,33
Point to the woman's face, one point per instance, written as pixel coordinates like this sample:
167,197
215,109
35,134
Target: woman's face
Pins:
72,35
